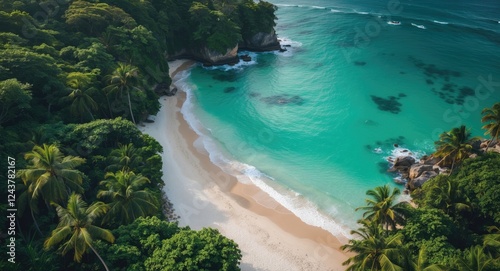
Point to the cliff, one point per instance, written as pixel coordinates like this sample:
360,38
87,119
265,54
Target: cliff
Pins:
261,42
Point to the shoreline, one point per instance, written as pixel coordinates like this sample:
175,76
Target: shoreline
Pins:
203,195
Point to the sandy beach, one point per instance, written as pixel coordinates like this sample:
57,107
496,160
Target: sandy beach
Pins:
270,237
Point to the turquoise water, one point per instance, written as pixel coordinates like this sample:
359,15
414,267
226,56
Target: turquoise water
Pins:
314,126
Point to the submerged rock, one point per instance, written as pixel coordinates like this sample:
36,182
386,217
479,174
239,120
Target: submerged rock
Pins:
283,100
229,89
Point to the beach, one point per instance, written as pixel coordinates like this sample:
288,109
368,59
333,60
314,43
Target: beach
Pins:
269,236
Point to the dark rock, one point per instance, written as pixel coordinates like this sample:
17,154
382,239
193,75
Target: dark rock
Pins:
391,104
149,121
281,50
283,100
417,169
359,63
262,42
286,45
254,94
246,58
418,182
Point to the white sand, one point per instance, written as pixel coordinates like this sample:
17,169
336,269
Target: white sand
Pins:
204,196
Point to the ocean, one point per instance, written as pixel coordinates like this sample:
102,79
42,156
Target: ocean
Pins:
360,81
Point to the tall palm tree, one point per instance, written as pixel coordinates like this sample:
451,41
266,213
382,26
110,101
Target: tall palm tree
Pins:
492,117
126,157
382,207
75,228
25,200
126,199
124,79
51,174
454,145
81,103
375,250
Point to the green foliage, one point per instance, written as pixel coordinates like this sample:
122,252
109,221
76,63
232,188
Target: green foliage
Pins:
93,18
256,17
127,199
382,208
375,249
491,116
454,146
206,249
15,98
87,138
427,224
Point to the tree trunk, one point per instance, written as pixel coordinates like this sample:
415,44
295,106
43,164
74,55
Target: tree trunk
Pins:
99,256
130,107
36,223
88,110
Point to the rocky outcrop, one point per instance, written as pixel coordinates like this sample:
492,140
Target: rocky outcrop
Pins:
208,57
261,42
419,181
164,89
211,57
416,170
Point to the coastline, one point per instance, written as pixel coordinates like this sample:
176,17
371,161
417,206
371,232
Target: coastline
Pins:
205,196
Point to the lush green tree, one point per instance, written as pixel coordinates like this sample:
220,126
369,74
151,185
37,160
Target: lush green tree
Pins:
93,18
127,158
382,207
478,181
136,242
100,135
375,249
206,249
213,29
124,80
491,116
76,229
454,146
127,200
81,102
51,174
426,223
15,98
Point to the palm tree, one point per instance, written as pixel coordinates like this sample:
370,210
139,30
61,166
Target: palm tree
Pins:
450,199
454,145
375,250
25,200
82,103
75,228
124,79
51,174
492,117
382,208
423,265
474,259
126,158
126,199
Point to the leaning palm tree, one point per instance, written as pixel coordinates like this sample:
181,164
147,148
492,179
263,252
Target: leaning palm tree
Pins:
25,200
382,207
75,228
51,174
127,200
454,146
123,80
492,117
81,102
375,250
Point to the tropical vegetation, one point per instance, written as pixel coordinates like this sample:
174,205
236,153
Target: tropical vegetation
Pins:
455,225
75,78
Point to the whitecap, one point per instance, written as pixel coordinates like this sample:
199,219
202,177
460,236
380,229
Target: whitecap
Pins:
418,26
440,22
238,66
